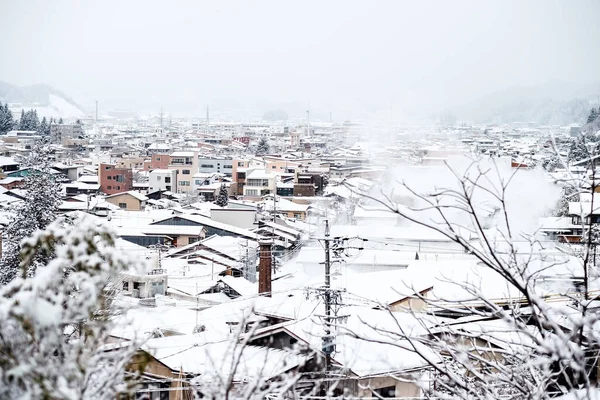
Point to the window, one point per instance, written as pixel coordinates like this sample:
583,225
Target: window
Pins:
185,172
120,178
158,178
118,187
157,158
107,167
125,286
184,183
227,166
207,166
198,182
386,392
252,192
167,179
109,187
168,187
109,178
123,206
240,163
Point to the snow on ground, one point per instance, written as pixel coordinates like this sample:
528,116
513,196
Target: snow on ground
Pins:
58,107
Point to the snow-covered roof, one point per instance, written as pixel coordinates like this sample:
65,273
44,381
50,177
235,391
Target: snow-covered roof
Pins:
182,154
133,193
191,354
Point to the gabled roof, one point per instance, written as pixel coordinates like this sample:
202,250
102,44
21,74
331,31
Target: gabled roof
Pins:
207,222
133,193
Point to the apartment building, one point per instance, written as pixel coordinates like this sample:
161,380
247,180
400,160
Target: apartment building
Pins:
114,180
64,133
219,165
259,182
186,165
158,161
162,179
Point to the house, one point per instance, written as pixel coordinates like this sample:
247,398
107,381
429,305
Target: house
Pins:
212,227
177,366
81,188
10,183
144,286
285,207
8,164
131,201
178,235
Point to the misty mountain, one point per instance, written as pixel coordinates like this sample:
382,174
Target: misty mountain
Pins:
553,103
47,101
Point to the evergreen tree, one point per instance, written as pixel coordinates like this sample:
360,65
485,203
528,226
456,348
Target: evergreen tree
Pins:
577,150
37,211
222,197
22,120
593,115
6,119
43,129
569,194
29,121
263,147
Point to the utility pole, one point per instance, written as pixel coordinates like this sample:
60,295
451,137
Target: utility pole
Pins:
327,339
161,120
332,298
96,119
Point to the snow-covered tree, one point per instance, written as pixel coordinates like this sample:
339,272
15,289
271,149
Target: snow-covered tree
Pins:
524,346
54,325
551,162
44,128
222,197
36,211
578,150
189,198
6,119
263,147
29,121
593,115
568,194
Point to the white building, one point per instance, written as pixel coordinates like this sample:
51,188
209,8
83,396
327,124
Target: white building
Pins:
220,165
162,179
259,183
186,165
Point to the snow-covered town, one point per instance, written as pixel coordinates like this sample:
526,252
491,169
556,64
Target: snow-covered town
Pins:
260,250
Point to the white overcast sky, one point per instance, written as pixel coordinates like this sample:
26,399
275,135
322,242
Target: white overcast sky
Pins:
129,53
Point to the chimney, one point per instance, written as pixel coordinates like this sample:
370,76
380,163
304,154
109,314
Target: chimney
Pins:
264,268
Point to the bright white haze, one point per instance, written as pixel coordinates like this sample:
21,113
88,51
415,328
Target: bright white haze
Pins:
349,57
